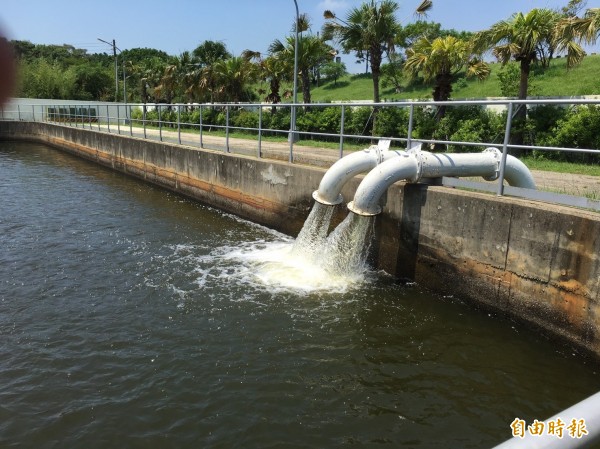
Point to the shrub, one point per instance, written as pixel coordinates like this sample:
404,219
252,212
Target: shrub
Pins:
579,128
359,121
246,119
392,122
320,120
461,123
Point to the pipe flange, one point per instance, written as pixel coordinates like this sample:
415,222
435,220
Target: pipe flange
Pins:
364,213
497,154
319,199
419,156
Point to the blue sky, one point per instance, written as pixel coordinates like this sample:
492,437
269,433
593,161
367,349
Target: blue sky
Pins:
178,25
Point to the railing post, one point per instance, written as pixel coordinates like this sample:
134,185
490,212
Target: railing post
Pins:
90,116
144,120
292,135
260,112
108,118
19,112
342,131
128,113
227,128
201,143
500,191
411,115
33,112
159,123
118,120
179,124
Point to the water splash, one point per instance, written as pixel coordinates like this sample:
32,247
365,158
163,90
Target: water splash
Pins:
347,247
314,262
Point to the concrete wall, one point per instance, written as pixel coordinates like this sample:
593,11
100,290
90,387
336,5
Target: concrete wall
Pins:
537,262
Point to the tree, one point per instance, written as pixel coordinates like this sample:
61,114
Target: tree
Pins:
586,29
412,32
234,76
148,75
440,60
202,80
509,78
92,82
333,70
209,52
520,38
392,72
273,70
172,82
312,52
369,31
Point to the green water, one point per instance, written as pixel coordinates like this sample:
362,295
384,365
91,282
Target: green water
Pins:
133,318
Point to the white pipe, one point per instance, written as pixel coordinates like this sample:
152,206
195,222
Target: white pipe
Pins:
377,181
415,165
517,174
346,168
436,165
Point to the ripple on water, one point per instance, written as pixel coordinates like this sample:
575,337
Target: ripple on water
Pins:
130,317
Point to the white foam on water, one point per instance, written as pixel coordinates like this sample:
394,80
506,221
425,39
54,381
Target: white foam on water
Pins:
313,263
275,263
279,267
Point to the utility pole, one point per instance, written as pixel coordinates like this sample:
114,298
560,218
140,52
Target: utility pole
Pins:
292,135
114,47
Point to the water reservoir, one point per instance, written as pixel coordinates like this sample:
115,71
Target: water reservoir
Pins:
133,317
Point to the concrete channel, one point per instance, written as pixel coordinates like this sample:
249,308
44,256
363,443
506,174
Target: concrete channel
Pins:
536,262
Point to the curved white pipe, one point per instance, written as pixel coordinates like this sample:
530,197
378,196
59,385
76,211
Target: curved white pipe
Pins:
415,165
347,168
517,174
377,181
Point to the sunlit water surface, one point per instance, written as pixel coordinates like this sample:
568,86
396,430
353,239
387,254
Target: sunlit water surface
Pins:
131,317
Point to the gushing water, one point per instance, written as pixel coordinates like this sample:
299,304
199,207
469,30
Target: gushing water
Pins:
314,261
346,249
313,234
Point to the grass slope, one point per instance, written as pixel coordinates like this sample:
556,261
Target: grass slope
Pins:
557,80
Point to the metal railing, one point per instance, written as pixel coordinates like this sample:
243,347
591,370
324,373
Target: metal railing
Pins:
212,125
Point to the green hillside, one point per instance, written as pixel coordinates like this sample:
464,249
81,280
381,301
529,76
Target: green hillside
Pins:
556,80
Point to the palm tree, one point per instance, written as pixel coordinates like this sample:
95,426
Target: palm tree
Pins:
439,61
521,37
233,77
209,52
585,29
312,51
201,79
369,31
274,71
173,78
149,74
